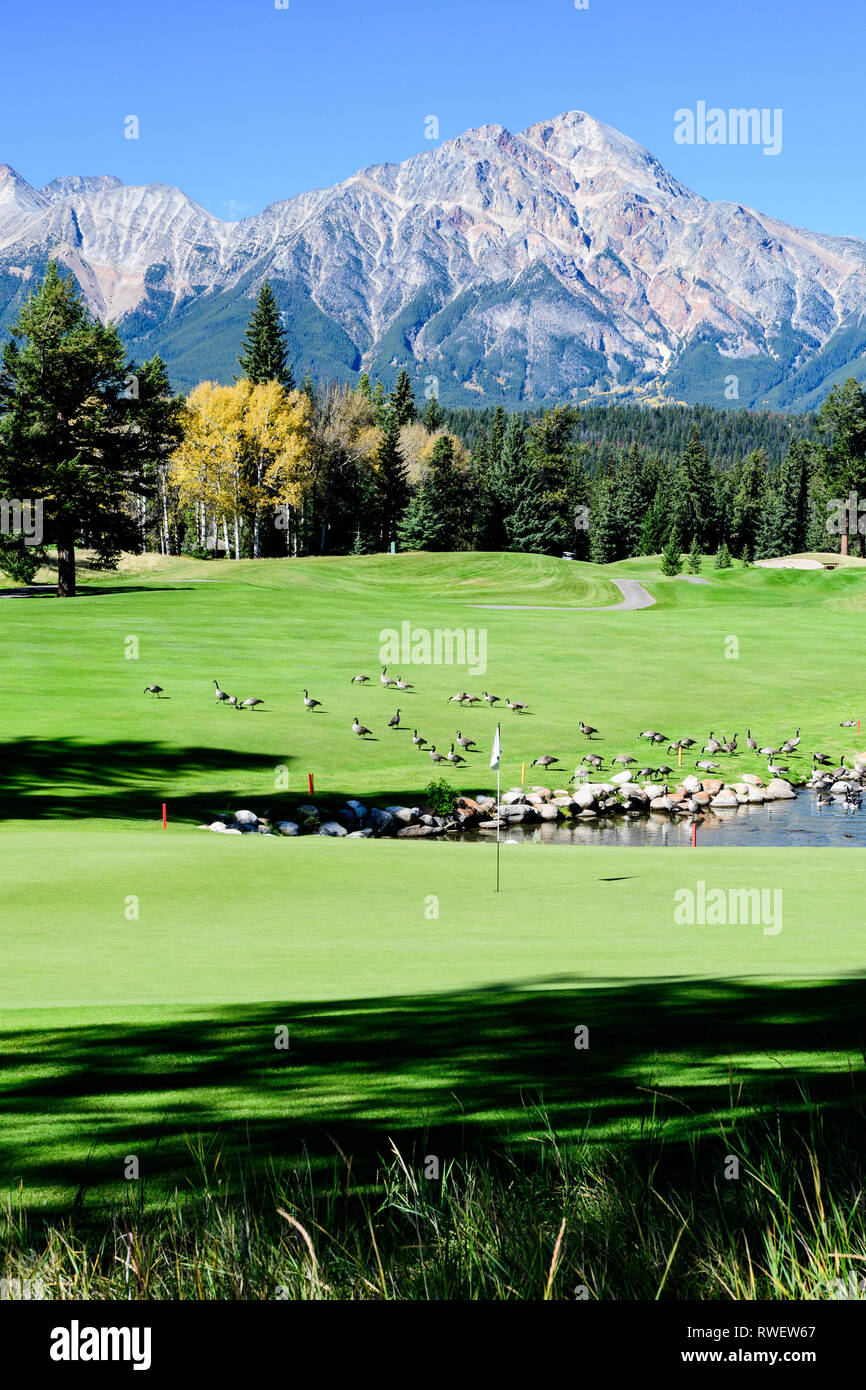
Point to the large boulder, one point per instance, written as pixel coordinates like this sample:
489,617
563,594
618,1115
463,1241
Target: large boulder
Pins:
308,810
654,789
780,790
364,834
756,796
359,810
513,798
414,832
404,815
662,803
585,798
712,785
725,799
332,828
287,827
246,818
485,802
548,812
752,778
692,783
383,822
620,777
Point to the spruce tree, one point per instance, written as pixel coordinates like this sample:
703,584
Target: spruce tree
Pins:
603,525
653,528
402,401
421,527
693,494
723,559
392,486
672,560
695,558
432,417
263,355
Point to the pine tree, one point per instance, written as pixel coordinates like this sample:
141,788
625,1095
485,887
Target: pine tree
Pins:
672,560
695,558
263,356
746,556
432,417
402,401
68,416
723,559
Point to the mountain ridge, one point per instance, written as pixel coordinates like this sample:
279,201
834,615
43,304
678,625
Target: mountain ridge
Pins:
552,264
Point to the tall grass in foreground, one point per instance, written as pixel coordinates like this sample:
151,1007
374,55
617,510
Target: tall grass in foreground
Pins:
641,1222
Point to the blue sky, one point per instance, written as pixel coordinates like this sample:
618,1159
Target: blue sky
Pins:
241,103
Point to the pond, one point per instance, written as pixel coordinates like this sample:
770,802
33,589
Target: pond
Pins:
797,823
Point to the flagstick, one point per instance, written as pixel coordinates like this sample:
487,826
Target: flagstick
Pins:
498,821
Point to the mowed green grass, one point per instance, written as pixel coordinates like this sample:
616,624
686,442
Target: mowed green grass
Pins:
415,996
772,650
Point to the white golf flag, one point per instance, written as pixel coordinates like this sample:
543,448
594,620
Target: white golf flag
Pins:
497,750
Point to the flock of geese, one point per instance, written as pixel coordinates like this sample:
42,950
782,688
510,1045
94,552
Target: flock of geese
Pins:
463,697
823,776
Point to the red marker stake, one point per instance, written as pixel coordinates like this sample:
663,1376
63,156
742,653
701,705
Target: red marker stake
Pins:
310,776
164,818
694,834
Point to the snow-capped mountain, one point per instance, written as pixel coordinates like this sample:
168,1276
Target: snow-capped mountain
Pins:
532,267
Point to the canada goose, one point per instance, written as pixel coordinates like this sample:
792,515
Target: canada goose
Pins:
152,690
491,699
220,694
646,772
580,774
769,751
456,699
731,745
544,761
625,759
664,771
658,738
820,758
434,756
517,705
776,769
686,743
795,741
232,700
824,799
648,733
707,767
358,728
394,721
454,757
593,759
359,680
587,729
712,745
417,739
465,742
847,723
385,678
309,702
472,699
250,703
404,685
752,742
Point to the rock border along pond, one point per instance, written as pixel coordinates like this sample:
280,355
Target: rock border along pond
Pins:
620,796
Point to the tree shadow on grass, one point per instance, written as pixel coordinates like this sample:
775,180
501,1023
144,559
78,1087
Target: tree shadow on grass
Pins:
71,779
450,1074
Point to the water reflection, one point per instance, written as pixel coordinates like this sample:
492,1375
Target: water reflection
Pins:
799,823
